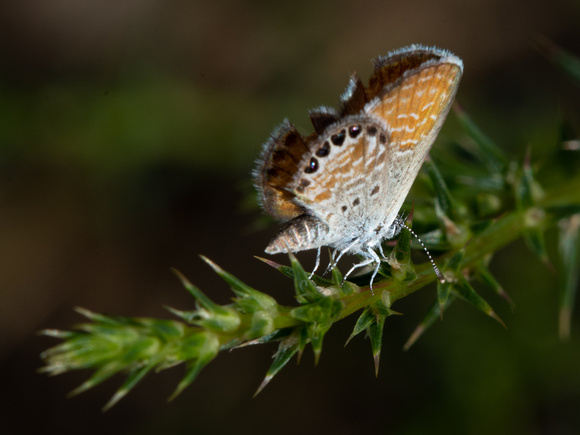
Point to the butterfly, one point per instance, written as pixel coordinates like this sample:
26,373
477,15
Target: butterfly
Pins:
343,185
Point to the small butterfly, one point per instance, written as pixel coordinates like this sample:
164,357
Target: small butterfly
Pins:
343,185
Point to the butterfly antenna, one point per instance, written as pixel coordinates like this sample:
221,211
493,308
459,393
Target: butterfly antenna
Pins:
435,268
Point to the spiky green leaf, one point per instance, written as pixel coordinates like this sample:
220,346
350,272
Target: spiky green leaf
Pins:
249,299
305,289
484,275
534,233
286,350
434,314
569,246
364,321
466,292
443,292
485,149
402,268
134,377
198,350
209,314
442,195
375,331
284,270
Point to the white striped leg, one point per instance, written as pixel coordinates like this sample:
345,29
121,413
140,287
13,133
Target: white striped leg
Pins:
374,258
316,264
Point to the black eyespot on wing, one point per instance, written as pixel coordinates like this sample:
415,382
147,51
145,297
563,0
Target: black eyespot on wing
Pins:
344,208
356,202
375,190
312,166
371,130
338,138
354,131
324,150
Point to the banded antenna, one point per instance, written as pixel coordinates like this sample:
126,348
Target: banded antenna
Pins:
435,268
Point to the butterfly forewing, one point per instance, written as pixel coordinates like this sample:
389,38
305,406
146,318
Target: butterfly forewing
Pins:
414,110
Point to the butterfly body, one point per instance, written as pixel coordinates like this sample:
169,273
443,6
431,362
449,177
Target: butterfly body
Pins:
343,186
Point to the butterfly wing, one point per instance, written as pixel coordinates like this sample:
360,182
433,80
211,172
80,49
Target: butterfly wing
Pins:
275,170
417,92
352,175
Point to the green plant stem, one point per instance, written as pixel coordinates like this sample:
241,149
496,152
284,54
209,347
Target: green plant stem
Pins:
138,345
504,231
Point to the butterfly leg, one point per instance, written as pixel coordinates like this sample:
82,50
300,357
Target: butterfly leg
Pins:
378,261
316,264
357,266
382,252
332,262
373,258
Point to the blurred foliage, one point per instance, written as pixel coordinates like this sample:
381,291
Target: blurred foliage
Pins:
106,128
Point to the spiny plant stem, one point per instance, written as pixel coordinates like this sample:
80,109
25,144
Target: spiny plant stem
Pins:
503,232
138,346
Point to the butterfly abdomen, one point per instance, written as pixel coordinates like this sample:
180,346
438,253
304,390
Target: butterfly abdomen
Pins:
304,232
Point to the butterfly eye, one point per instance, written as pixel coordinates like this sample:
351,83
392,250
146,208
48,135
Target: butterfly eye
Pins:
354,131
312,166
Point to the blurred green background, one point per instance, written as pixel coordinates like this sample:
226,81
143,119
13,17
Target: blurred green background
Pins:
128,130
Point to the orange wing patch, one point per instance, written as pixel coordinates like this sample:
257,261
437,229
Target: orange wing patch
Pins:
413,108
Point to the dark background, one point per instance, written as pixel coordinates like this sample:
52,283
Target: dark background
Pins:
128,130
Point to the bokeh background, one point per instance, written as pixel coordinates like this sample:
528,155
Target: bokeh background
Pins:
128,130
